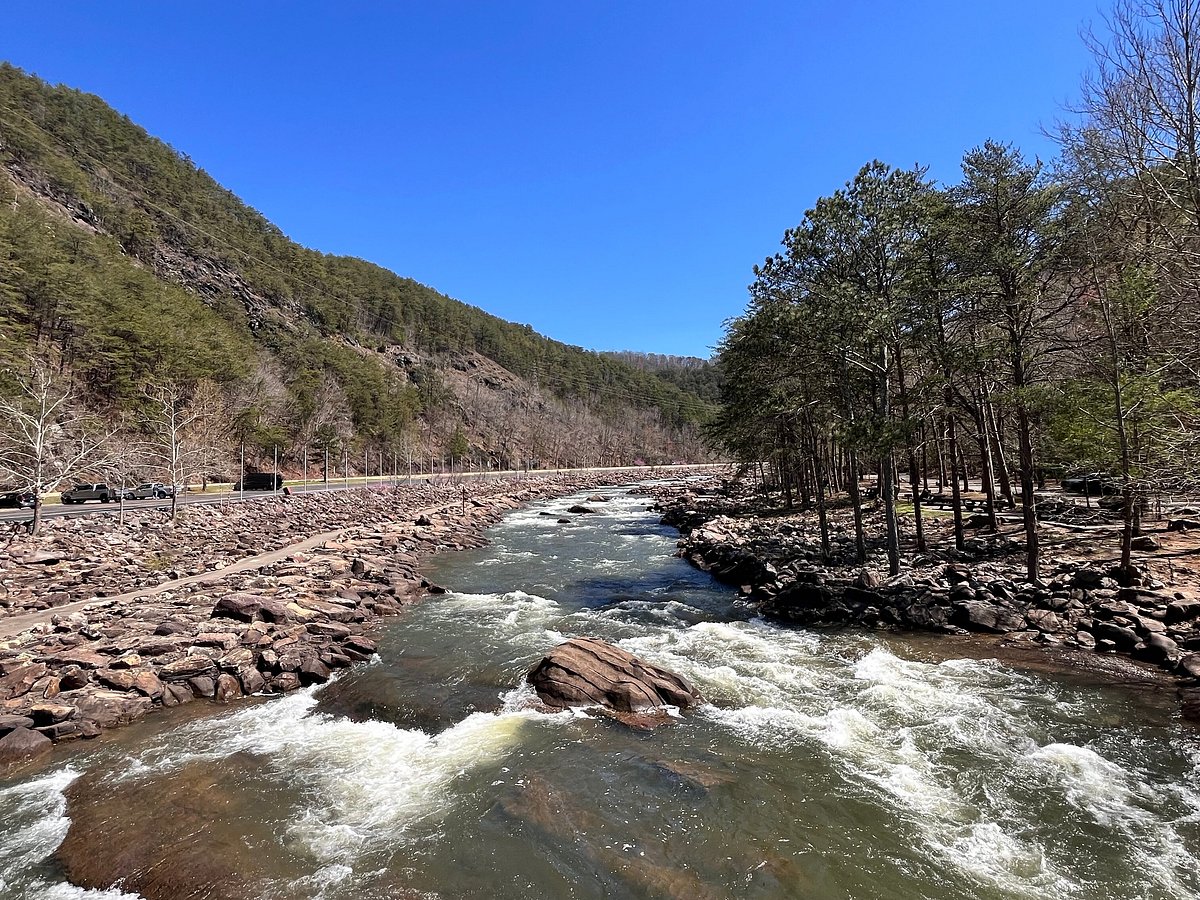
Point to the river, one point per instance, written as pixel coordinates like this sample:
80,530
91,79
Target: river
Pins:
828,765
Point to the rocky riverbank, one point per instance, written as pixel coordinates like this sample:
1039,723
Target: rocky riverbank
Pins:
288,620
775,561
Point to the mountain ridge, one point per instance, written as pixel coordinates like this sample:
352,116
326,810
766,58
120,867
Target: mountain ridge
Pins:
310,315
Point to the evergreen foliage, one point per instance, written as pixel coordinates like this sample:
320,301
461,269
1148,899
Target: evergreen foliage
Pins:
1020,322
127,263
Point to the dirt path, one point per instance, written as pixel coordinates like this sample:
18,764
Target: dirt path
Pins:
14,625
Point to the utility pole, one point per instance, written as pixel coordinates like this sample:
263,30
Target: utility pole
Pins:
275,479
242,479
306,468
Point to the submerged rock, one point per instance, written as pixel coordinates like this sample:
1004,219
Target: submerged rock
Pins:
590,672
191,835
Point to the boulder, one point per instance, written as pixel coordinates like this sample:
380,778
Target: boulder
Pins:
20,680
50,713
188,667
111,708
227,688
1189,666
312,671
1145,542
1183,524
1158,648
250,608
1123,638
579,509
590,672
12,723
1182,610
21,745
979,615
1043,620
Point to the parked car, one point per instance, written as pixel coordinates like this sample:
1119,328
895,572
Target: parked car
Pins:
152,490
1095,484
16,500
259,481
81,493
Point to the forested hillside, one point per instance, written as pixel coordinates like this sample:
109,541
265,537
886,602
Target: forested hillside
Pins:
1025,321
123,265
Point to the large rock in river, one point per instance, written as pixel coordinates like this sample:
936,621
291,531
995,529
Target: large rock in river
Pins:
590,672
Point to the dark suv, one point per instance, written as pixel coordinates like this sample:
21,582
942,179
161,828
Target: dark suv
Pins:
16,500
259,481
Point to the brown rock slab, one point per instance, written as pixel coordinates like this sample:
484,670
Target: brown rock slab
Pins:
11,723
21,680
591,672
188,667
187,837
109,709
84,659
22,746
50,713
250,608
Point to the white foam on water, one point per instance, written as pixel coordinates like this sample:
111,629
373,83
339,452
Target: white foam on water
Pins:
887,724
34,824
61,891
1116,798
371,781
513,614
993,857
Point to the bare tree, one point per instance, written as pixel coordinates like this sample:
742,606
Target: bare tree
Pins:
44,437
178,418
1133,163
1139,118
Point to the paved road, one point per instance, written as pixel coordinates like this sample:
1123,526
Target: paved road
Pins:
58,510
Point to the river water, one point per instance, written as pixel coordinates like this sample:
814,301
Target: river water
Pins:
828,765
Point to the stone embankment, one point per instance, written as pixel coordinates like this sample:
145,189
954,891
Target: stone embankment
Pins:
288,622
777,564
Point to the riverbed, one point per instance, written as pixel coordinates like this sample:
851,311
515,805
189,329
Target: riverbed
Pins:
825,765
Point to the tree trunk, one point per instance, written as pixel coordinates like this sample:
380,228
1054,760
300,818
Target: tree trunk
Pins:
818,471
1025,443
888,485
1001,469
985,467
860,540
913,474
955,493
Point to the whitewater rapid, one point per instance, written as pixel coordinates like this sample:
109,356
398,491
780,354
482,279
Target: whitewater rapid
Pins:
837,763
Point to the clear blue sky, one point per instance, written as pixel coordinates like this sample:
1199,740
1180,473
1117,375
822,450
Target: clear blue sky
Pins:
607,172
